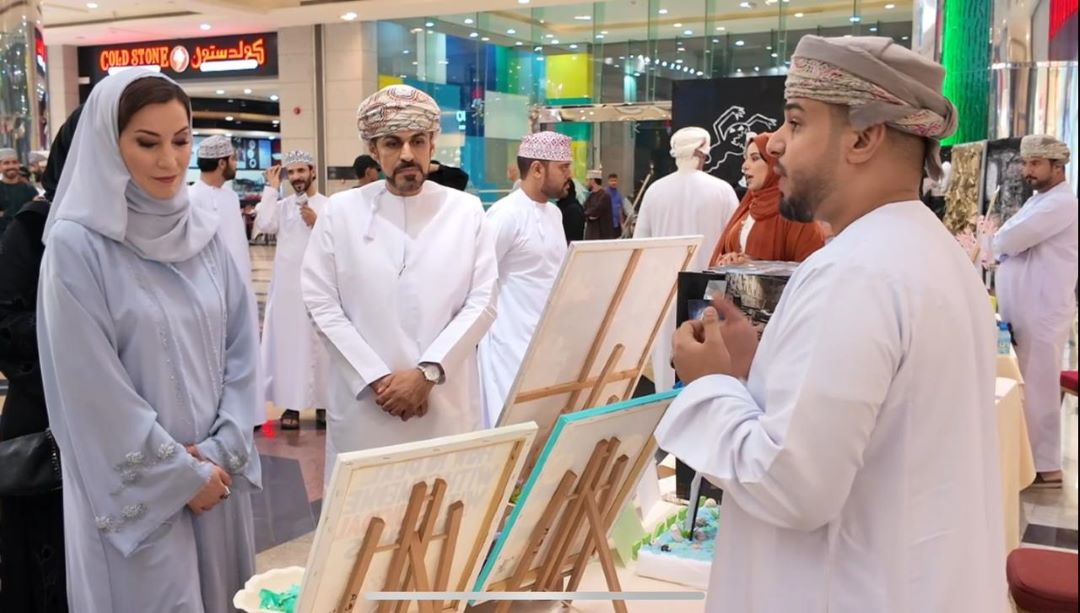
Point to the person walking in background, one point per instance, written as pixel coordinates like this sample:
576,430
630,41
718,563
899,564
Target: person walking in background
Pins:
367,170
757,231
148,363
618,215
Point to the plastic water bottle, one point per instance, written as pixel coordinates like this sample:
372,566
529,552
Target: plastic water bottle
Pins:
1004,339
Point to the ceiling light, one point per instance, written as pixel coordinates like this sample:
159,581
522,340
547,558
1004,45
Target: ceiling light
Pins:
873,29
228,118
538,49
721,29
600,37
485,39
799,15
738,70
678,61
247,91
473,35
663,11
716,41
274,98
688,33
740,43
745,5
757,68
775,55
768,47
349,16
573,46
700,74
430,24
678,25
469,21
220,92
204,27
524,1
415,63
664,64
583,17
603,31
416,30
905,38
555,41
276,122
854,19
889,7
511,31
550,36
406,52
91,5
518,44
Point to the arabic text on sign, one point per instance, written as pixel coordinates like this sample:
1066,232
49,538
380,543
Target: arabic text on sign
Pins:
255,50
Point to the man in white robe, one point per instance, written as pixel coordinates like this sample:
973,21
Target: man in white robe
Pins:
1036,284
216,158
293,358
688,202
857,446
530,246
400,278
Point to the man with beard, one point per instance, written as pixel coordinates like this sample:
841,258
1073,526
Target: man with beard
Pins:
1037,248
216,159
292,356
400,278
530,246
38,160
14,191
857,445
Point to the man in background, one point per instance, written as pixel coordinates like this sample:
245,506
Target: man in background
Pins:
367,170
618,215
14,190
688,202
293,358
530,245
448,176
598,217
38,160
1037,249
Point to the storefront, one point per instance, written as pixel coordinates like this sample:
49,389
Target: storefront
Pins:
232,82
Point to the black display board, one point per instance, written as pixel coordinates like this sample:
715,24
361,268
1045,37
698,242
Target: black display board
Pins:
730,109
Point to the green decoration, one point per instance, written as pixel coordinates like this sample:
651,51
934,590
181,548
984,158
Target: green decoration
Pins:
965,53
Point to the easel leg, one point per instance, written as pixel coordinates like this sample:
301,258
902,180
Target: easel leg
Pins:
446,556
613,482
606,561
408,527
360,567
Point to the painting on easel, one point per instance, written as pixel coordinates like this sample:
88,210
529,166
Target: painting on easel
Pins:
598,328
583,477
413,517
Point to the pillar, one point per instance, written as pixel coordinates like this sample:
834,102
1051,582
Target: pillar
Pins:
24,91
63,84
296,83
350,74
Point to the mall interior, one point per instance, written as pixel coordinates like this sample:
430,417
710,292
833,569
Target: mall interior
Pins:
618,79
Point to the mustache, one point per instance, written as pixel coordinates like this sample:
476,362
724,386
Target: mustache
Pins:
402,167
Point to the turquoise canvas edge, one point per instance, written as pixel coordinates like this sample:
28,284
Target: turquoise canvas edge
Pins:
526,489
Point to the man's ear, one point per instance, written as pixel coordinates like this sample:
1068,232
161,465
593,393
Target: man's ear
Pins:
865,144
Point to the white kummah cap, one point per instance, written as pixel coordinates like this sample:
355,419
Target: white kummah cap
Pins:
546,146
1045,147
689,141
397,108
297,157
880,82
39,156
216,147
594,174
8,153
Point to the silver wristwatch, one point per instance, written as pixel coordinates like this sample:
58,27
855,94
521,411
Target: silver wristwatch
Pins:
432,372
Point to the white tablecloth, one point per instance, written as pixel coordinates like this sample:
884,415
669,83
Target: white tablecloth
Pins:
1017,463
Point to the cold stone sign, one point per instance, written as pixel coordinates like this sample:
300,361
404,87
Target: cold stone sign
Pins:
250,55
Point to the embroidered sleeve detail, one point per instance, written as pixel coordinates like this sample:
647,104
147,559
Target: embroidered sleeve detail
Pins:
235,462
114,523
135,462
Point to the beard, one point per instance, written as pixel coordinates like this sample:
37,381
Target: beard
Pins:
229,173
1037,184
407,185
808,191
300,186
555,192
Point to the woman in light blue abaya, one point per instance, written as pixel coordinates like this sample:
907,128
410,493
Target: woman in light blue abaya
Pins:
148,365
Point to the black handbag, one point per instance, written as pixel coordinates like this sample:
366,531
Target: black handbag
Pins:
29,465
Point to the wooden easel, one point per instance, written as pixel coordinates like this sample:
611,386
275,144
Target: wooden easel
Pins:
590,500
408,570
595,386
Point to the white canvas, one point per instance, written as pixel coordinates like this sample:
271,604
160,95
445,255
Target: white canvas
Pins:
569,449
573,319
480,470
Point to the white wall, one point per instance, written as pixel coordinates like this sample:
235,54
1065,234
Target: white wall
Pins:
350,74
296,86
63,84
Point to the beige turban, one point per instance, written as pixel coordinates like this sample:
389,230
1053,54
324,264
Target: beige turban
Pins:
1046,147
881,82
397,108
688,141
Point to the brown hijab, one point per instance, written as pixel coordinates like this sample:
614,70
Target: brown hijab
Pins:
772,237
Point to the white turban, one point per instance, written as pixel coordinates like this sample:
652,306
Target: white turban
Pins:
1045,147
689,141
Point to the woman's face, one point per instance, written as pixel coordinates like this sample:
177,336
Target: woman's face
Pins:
156,148
755,168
